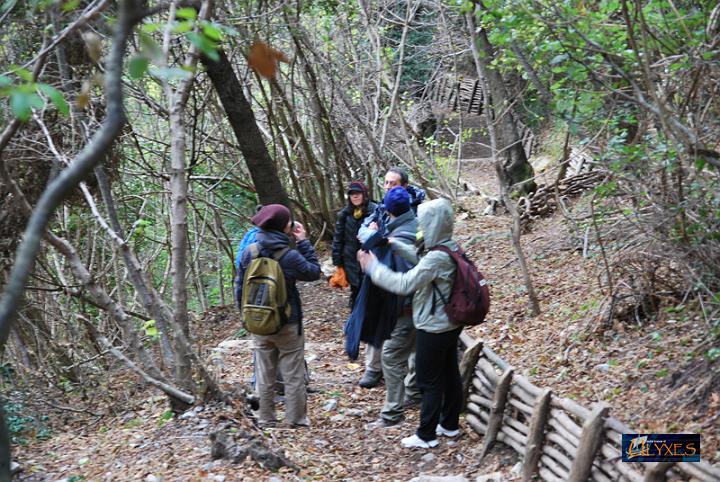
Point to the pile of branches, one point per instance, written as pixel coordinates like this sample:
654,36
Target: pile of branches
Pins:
544,201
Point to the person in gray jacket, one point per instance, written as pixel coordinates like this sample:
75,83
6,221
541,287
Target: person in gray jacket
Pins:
438,375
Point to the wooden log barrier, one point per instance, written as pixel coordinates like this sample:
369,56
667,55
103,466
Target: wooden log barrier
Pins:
548,476
657,471
554,467
566,422
497,411
545,430
482,386
557,456
475,423
591,439
536,435
467,367
562,442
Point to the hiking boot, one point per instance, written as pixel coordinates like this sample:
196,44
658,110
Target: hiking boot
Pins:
383,423
415,442
440,430
370,379
411,403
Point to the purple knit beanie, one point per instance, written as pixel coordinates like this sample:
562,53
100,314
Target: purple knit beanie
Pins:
272,217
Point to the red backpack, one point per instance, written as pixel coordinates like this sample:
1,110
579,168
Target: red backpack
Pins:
470,296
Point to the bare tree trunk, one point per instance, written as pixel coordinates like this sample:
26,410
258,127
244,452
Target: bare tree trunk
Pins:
504,180
242,120
518,170
130,13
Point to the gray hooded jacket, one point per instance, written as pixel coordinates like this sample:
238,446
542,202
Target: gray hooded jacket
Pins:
436,222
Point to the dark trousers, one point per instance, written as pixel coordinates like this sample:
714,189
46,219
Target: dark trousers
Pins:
438,379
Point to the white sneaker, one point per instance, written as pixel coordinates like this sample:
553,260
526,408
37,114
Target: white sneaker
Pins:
440,430
416,442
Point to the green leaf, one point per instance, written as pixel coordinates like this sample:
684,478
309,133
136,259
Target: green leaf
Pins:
700,164
171,73
22,104
558,58
186,12
56,97
212,31
150,27
662,373
149,47
137,66
713,354
5,81
24,74
150,329
182,27
206,46
70,5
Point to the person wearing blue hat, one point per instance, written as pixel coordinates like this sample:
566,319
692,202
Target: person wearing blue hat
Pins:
377,222
396,351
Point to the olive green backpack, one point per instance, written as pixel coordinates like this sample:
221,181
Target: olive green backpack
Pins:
264,306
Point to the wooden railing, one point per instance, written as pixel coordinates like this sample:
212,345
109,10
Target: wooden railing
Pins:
558,439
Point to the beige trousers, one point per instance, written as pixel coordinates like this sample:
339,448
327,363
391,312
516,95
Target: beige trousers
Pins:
284,351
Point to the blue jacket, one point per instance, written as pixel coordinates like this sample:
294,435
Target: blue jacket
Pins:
299,264
246,241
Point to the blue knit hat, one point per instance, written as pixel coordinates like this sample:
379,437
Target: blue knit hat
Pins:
397,201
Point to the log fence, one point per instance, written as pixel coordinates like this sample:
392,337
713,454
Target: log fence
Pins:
559,439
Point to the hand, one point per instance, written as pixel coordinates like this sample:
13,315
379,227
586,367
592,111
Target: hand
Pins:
299,231
365,258
373,225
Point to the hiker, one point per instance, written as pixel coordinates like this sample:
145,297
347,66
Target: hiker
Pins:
283,350
396,350
395,176
345,243
438,376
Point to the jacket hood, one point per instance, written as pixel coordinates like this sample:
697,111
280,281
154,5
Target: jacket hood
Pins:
272,240
436,220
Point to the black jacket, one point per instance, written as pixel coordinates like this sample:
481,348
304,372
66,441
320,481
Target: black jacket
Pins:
300,264
345,243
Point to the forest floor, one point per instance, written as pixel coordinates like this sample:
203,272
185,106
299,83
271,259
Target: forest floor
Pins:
648,372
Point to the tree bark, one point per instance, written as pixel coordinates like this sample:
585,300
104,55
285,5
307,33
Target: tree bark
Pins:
262,168
509,143
59,188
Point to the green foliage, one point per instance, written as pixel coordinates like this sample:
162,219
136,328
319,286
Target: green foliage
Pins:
151,331
165,417
22,424
24,94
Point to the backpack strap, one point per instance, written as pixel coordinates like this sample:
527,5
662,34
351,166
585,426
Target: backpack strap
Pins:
436,290
280,253
255,252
